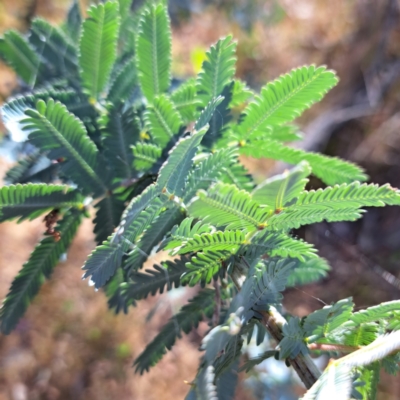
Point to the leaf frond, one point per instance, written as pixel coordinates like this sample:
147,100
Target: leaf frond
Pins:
226,206
31,200
284,99
52,128
330,170
217,70
184,321
153,51
38,268
98,46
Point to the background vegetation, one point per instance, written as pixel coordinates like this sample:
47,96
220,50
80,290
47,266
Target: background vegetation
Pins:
69,346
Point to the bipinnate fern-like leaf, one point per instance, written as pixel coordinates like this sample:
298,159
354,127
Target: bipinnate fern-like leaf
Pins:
120,132
52,128
108,215
334,204
145,155
152,281
173,174
226,206
142,210
17,53
217,70
38,268
98,46
162,120
153,51
186,101
278,191
330,170
33,199
285,99
55,47
185,320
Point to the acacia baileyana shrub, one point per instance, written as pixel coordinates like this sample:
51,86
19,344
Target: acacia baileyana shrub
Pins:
160,164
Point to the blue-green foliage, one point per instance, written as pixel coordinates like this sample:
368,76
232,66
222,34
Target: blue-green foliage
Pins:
160,169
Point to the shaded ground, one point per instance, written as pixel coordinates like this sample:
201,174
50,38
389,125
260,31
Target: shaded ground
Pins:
70,347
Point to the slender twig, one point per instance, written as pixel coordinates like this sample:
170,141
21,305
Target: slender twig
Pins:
304,366
341,348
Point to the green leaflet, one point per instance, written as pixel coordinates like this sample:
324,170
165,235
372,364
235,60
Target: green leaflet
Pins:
145,155
238,175
153,49
278,191
20,171
167,275
54,46
284,99
321,322
124,83
185,320
263,286
106,258
73,23
217,241
54,129
241,94
334,204
152,237
162,120
226,206
330,170
208,171
108,215
204,266
16,52
120,132
183,232
38,268
98,47
217,70
173,173
277,244
208,112
14,110
309,271
33,199
293,342
186,101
